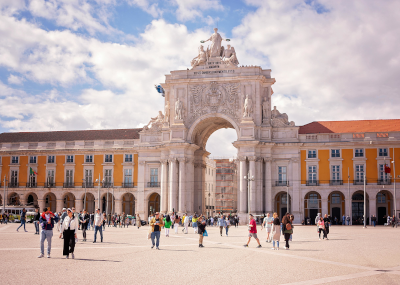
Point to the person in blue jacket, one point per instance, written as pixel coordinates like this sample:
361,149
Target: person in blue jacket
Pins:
47,220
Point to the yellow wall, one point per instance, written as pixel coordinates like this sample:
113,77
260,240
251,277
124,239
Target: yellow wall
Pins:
23,170
98,167
60,160
78,175
303,155
323,173
372,168
397,161
347,164
118,160
41,170
5,170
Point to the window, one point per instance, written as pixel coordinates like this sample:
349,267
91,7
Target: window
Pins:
108,177
89,158
50,177
383,176
69,177
381,198
313,201
359,152
284,199
14,159
335,153
312,153
360,172
312,173
88,176
32,159
153,174
50,159
282,173
335,172
108,158
128,157
128,177
14,178
335,198
383,152
70,158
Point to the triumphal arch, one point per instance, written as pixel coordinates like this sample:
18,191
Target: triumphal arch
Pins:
217,92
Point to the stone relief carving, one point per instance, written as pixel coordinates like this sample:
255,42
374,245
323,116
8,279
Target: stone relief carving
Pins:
163,161
229,56
279,120
166,112
155,124
200,59
178,109
265,108
252,158
214,98
242,158
247,107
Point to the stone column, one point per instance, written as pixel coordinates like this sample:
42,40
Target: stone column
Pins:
253,197
78,204
164,186
60,204
372,209
268,186
182,186
190,186
140,192
198,187
243,184
118,206
324,206
295,193
23,200
173,185
259,186
41,203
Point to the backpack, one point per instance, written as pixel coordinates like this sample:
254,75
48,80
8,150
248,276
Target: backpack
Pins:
288,226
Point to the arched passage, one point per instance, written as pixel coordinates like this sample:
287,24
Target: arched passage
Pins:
384,204
50,202
13,199
154,203
312,206
90,202
357,207
69,200
32,200
281,205
128,204
336,206
108,203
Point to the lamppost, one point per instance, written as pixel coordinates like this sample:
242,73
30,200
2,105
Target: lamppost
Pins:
4,196
287,197
394,187
365,204
249,179
84,201
98,190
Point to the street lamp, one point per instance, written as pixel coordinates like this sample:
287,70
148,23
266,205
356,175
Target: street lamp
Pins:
287,197
84,201
98,190
394,187
249,179
4,196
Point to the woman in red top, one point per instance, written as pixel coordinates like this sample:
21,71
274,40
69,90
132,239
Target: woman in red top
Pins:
252,231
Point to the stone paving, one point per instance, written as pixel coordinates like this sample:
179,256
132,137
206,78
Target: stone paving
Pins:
352,255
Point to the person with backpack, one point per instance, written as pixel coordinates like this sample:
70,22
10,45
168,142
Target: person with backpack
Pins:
275,232
287,229
252,227
201,229
167,225
327,223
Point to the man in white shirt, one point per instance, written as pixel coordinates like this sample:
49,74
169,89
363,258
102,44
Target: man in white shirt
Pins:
186,223
98,225
267,223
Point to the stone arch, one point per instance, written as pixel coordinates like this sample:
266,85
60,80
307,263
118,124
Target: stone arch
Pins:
32,199
90,204
281,203
107,205
14,199
50,201
357,207
153,203
312,206
384,206
1,199
69,200
336,205
128,203
206,125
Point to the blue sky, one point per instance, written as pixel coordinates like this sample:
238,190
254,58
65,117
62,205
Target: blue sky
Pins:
92,64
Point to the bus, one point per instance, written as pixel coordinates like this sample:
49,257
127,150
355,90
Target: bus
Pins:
14,213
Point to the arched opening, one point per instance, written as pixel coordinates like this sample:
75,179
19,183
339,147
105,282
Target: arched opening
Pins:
312,206
90,202
1,200
69,200
50,201
281,203
336,206
357,208
32,200
384,204
108,203
128,204
154,203
13,199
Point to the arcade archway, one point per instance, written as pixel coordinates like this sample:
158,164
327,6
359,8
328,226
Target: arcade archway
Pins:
312,206
281,203
50,202
154,203
384,206
69,200
128,204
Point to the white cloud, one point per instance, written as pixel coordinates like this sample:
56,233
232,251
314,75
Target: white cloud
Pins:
146,6
189,10
12,79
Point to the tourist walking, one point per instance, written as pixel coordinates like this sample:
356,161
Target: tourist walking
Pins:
176,223
221,224
201,230
186,223
287,229
194,223
227,225
343,220
321,228
156,223
23,220
267,224
167,225
348,220
373,220
98,223
275,232
138,221
84,223
69,227
327,224
47,220
252,231
36,218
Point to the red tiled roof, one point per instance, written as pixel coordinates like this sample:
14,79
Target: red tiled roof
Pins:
86,135
362,126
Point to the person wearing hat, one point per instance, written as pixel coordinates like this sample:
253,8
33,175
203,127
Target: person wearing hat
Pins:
156,223
69,227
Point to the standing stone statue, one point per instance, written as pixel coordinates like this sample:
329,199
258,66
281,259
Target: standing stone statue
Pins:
265,108
178,109
216,40
248,107
166,117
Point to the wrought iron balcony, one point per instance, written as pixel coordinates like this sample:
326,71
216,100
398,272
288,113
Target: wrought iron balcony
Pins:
107,185
312,182
359,182
153,184
281,183
386,181
335,182
13,185
69,185
49,185
31,185
128,185
88,185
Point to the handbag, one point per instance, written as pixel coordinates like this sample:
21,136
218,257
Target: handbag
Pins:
205,234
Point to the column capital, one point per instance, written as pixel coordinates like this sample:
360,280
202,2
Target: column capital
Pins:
163,161
172,159
190,160
252,158
267,159
295,160
142,162
182,159
242,158
259,158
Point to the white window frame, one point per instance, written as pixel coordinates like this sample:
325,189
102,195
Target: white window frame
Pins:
54,159
385,176
70,155
128,169
308,173
311,150
355,152
32,159
12,158
90,156
357,172
107,156
336,169
127,154
336,149
282,173
73,175
383,148
54,175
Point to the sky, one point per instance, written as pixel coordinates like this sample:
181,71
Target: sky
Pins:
92,64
